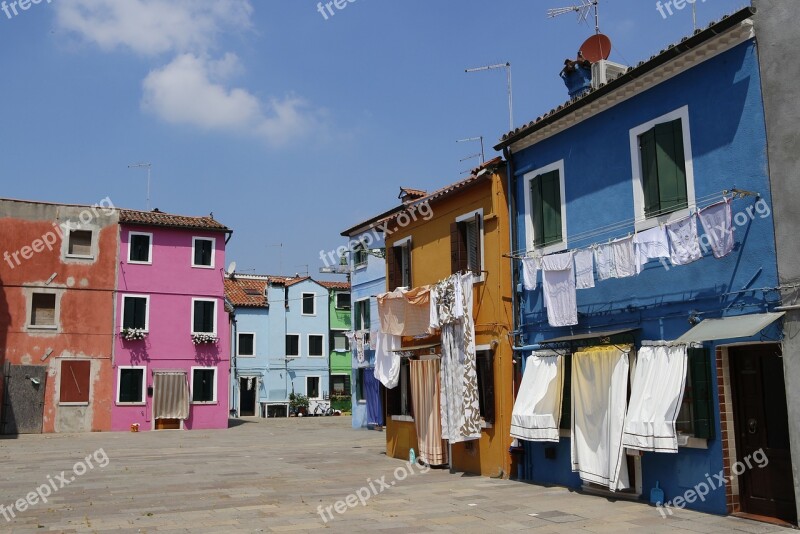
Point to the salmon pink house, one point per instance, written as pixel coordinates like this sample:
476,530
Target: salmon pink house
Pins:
172,344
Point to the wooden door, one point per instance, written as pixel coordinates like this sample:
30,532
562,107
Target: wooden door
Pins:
247,396
23,410
762,432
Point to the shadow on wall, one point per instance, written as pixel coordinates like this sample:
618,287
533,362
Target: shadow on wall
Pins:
5,321
207,354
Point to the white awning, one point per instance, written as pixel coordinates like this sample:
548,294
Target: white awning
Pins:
730,327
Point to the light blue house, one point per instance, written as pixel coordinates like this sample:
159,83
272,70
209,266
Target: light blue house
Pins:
650,147
281,342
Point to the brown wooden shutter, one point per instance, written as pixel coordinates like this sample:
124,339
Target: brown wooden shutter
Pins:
458,248
75,377
393,274
475,247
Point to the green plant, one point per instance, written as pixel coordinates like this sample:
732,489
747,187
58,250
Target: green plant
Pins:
298,401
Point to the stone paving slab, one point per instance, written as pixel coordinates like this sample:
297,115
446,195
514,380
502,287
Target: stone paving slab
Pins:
280,475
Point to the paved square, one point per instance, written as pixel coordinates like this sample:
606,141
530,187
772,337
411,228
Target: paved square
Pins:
276,475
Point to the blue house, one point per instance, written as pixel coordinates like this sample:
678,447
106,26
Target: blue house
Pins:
671,136
281,342
366,259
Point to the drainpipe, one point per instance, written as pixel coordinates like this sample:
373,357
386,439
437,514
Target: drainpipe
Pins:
235,388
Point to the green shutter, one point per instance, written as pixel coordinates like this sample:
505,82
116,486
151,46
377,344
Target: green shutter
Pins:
536,208
671,166
647,150
566,402
546,207
367,318
702,392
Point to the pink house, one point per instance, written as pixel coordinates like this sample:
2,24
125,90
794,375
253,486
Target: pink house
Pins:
172,347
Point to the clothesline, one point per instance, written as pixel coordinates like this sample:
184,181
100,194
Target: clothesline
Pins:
698,205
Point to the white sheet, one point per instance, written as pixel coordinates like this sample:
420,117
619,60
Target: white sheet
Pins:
649,245
718,225
624,259
558,279
683,242
537,411
599,391
656,395
387,363
584,269
530,270
604,259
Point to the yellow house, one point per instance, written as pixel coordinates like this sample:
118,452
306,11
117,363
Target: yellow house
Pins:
462,227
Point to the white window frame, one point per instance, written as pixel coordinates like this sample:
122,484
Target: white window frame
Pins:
238,345
191,324
303,302
149,252
146,313
213,240
530,231
144,385
308,344
80,256
405,242
216,378
470,217
319,387
341,333
368,300
299,346
57,319
642,223
336,304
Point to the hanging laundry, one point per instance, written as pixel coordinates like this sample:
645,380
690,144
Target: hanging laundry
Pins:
537,410
649,245
604,259
584,269
599,392
360,347
530,272
624,259
683,242
460,405
387,362
656,395
718,224
405,312
372,392
558,280
425,396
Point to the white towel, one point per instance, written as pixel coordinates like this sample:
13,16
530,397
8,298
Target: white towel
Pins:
656,396
599,390
624,259
718,225
604,259
649,245
558,279
584,269
387,363
530,270
537,411
683,242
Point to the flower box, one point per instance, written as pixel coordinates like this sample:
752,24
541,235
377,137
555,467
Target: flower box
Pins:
204,339
133,334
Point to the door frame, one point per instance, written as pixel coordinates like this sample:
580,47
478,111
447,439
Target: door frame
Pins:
256,387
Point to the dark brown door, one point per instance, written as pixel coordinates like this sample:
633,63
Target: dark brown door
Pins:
23,409
247,396
762,432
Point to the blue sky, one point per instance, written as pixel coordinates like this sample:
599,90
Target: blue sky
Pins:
288,127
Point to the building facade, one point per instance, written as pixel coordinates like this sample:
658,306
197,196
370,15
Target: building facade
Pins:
172,347
672,137
340,364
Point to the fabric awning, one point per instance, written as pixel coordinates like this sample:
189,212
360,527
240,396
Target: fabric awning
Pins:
588,335
171,395
729,327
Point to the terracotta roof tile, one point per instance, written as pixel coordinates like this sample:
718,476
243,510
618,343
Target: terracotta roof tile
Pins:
246,292
158,218
335,285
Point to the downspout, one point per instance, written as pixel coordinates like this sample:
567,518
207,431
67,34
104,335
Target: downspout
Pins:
235,388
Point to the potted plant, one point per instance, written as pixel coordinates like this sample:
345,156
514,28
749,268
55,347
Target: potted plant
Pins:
204,339
133,334
298,404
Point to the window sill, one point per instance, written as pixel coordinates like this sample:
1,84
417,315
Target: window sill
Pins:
362,402
652,222
403,418
52,328
74,403
316,357
486,425
245,355
202,266
551,249
132,262
308,314
205,334
691,442
360,266
130,404
78,257
204,403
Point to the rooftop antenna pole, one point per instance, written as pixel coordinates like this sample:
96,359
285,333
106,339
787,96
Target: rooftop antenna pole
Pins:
694,17
479,138
149,167
506,66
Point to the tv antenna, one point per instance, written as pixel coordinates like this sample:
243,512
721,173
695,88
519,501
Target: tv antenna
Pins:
506,66
482,155
582,10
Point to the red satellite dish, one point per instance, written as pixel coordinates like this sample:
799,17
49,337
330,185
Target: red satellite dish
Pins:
596,48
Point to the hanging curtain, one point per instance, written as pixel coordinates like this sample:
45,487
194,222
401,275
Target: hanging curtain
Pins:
405,312
171,395
372,390
387,361
537,411
424,376
460,405
656,395
599,392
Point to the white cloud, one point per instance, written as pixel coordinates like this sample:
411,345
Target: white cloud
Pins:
151,27
191,90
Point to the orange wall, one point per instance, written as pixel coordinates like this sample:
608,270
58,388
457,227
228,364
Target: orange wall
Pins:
430,263
86,289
